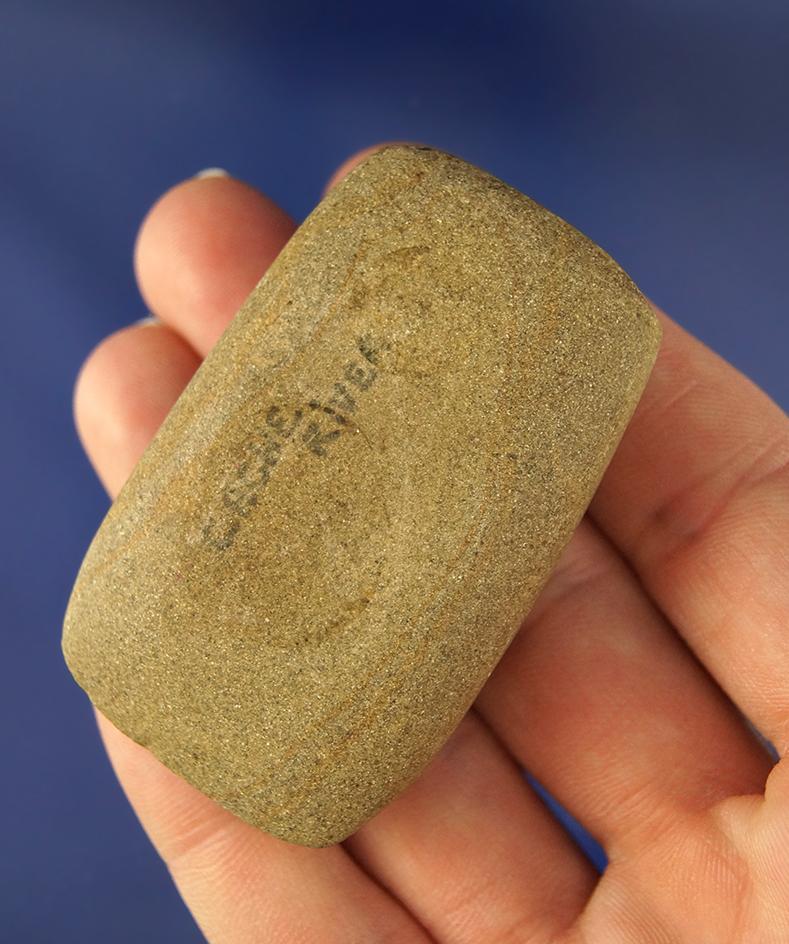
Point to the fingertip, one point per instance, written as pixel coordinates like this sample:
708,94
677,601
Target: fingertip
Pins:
122,393
355,159
200,250
88,389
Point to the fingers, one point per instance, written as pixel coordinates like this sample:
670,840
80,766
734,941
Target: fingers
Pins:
697,497
473,853
124,391
632,735
200,251
241,884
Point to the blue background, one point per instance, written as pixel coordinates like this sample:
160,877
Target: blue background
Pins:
660,129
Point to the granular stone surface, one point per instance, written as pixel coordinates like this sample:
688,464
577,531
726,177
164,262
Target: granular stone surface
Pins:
343,521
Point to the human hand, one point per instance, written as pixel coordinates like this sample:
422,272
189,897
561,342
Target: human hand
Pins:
669,606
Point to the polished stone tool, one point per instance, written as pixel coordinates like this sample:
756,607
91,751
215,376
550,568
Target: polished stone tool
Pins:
346,516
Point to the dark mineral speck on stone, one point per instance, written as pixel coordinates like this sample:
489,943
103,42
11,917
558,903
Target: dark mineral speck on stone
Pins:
343,521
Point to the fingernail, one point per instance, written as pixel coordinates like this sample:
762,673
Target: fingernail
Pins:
211,172
148,320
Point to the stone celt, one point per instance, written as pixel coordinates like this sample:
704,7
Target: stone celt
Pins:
348,513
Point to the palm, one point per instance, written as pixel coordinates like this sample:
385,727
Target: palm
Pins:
668,607
703,880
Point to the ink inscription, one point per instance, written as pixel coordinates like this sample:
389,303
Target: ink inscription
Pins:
315,426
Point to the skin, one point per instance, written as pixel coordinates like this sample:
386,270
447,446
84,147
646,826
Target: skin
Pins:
669,607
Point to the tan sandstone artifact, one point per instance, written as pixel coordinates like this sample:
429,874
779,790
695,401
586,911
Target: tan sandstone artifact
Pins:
343,521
